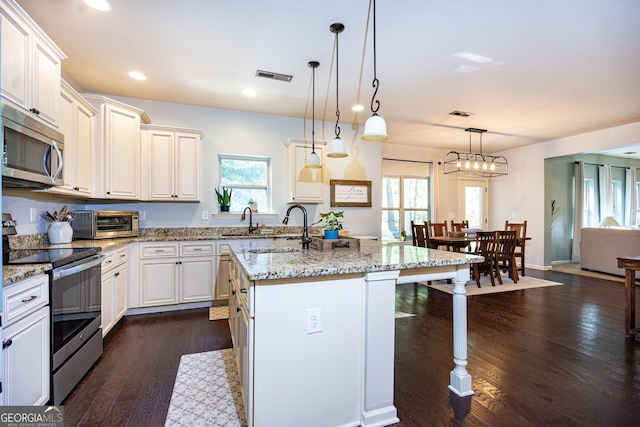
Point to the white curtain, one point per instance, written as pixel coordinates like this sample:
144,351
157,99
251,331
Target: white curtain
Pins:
435,176
606,191
631,197
578,209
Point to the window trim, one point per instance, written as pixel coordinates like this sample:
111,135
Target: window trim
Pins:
401,209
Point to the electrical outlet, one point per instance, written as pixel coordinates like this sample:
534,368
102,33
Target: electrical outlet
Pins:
33,213
205,215
314,320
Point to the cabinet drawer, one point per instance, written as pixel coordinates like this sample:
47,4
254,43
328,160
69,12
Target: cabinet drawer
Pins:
223,247
114,258
159,250
196,249
25,297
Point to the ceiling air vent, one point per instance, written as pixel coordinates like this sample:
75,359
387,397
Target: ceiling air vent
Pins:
274,76
460,113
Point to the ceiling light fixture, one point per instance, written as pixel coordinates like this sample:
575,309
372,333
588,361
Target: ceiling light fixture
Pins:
475,164
137,75
375,129
249,92
337,147
357,107
101,5
313,160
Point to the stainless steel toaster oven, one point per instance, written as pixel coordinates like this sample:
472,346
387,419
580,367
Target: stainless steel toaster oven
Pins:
104,224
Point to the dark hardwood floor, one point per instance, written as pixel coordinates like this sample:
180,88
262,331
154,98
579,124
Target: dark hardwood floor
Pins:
553,356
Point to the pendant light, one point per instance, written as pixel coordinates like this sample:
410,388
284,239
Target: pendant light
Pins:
337,147
375,129
475,164
313,160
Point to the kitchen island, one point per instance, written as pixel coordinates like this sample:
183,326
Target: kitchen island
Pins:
313,331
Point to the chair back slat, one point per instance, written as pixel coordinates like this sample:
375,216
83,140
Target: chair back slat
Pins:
459,226
437,229
520,228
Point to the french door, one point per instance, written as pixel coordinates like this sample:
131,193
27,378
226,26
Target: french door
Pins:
473,198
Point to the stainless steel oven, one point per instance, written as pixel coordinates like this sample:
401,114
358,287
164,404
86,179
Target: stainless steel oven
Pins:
76,336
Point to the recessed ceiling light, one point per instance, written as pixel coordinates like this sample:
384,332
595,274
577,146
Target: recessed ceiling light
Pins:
101,5
357,107
249,92
137,75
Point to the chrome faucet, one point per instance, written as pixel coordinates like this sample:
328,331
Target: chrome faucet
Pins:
305,231
244,215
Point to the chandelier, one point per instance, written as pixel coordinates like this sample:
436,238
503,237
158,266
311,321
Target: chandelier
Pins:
475,164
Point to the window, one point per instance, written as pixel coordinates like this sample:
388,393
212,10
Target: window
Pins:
249,178
404,199
618,207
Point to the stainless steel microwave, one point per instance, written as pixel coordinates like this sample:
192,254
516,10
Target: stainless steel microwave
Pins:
33,152
104,224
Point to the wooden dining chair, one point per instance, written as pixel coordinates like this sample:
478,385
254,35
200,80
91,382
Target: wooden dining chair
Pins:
521,233
485,247
419,234
506,241
459,226
435,229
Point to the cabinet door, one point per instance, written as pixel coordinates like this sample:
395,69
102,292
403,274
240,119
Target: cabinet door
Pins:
26,364
305,184
197,279
161,165
66,122
222,278
84,139
46,82
121,285
15,62
122,174
108,303
187,155
158,282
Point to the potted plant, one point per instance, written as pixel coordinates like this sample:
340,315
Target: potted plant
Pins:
403,235
331,223
224,199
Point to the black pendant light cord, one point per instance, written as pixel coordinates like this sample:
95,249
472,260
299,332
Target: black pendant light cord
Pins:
313,65
376,82
337,129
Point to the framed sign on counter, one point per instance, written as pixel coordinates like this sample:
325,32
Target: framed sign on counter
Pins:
350,193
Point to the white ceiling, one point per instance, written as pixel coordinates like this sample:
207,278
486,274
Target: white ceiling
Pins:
552,68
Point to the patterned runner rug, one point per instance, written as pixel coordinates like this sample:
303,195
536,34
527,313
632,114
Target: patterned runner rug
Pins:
207,392
219,313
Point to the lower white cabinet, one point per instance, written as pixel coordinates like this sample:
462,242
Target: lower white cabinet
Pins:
174,273
26,342
115,283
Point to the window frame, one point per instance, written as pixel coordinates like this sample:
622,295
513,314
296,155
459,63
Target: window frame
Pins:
401,209
268,186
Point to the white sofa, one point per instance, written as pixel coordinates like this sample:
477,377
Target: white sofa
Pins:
601,247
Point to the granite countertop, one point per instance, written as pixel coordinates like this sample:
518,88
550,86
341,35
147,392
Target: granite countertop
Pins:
15,273
269,259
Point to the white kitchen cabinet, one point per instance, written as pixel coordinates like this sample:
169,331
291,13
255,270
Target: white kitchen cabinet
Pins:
114,288
171,163
26,342
116,150
304,185
31,65
76,123
174,273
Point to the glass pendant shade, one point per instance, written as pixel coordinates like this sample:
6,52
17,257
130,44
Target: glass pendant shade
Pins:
337,148
375,129
313,160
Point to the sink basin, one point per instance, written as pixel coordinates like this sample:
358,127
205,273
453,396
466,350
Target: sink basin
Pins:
272,250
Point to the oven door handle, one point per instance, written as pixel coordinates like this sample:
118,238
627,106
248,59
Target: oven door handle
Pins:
77,268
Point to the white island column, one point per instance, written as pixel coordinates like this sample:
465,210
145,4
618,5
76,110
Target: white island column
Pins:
460,380
379,349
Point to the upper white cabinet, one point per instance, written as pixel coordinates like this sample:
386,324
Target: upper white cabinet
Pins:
117,149
304,185
76,123
31,64
171,163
